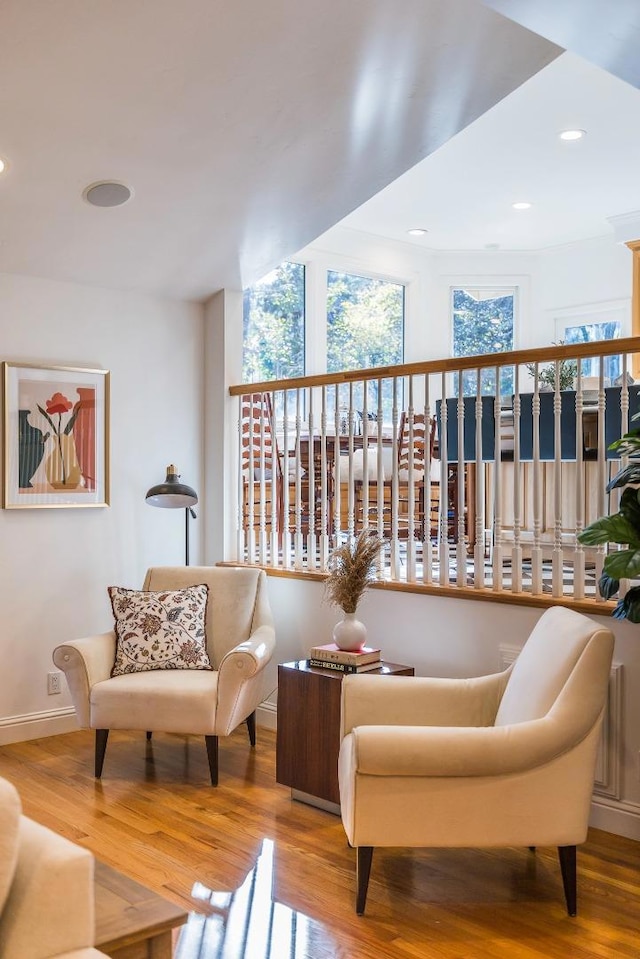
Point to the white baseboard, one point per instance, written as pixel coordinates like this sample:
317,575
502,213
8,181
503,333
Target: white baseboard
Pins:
49,722
617,816
267,715
54,722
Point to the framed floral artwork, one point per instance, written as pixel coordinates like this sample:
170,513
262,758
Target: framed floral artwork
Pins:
56,436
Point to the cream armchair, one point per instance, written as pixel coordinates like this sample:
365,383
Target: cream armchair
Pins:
502,760
46,889
210,703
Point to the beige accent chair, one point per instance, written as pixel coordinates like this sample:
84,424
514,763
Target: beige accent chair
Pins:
209,703
46,889
501,760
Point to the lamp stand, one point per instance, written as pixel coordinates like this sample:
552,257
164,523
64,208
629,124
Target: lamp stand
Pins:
188,510
186,536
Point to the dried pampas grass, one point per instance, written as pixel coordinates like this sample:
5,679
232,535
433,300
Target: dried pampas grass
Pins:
352,567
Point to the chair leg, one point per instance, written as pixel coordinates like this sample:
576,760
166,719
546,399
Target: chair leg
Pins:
212,755
101,747
251,726
363,869
567,856
149,734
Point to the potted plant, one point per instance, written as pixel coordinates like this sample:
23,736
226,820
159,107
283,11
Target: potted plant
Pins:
623,528
352,567
567,372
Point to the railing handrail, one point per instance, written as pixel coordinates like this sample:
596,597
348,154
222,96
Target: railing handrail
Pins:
573,351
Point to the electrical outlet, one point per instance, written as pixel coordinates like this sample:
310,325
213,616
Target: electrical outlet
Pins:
54,683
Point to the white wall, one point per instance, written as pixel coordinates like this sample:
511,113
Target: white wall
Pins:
587,273
57,563
577,276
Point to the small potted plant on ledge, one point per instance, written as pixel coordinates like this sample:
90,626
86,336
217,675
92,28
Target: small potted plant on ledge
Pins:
622,527
352,567
567,372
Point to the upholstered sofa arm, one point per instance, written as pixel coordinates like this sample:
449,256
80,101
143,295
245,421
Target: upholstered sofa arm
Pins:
420,701
240,679
454,751
86,662
50,908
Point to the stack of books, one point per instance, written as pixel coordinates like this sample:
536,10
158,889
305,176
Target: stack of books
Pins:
332,657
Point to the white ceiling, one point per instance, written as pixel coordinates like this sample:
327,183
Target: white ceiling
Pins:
248,129
245,129
464,191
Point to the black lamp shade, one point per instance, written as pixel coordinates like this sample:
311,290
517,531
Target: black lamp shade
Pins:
172,493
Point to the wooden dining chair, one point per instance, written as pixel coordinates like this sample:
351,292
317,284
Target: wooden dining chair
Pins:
261,466
412,435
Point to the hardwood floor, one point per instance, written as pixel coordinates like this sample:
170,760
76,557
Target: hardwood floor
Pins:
155,817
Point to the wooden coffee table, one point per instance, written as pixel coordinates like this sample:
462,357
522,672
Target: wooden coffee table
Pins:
132,922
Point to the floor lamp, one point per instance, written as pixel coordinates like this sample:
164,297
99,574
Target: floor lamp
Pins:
172,494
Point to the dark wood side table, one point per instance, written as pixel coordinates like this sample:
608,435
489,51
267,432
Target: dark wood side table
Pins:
308,736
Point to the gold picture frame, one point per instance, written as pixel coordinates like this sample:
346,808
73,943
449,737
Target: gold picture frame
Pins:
56,436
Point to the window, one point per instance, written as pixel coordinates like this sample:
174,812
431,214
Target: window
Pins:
483,323
365,328
273,325
591,333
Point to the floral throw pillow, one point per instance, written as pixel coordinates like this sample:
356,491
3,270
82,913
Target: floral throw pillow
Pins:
159,629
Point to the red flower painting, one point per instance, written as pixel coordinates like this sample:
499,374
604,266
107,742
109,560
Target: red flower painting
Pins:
58,404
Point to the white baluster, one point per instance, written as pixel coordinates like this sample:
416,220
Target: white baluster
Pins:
443,574
578,552
298,544
557,562
324,490
516,554
498,541
380,477
461,545
286,532
241,536
536,551
337,518
601,470
478,549
427,546
411,491
395,552
311,487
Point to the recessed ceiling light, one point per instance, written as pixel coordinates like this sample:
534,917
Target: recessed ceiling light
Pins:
3,165
107,193
521,205
572,134
417,231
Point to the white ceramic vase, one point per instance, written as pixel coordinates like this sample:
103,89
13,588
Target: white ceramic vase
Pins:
350,634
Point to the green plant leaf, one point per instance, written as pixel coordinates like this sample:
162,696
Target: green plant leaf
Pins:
630,508
608,586
610,529
630,474
623,564
629,444
48,419
629,606
72,420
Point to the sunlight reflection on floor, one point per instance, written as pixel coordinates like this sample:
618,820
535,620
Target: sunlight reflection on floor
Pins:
249,923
